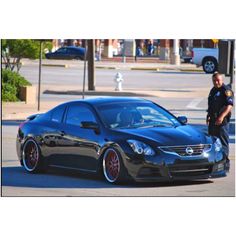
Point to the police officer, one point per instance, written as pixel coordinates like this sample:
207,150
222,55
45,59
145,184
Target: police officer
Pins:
220,103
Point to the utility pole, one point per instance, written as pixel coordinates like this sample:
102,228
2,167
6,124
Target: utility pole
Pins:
232,62
40,67
90,56
85,65
226,59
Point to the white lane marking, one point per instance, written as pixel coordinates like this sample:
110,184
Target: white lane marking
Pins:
194,103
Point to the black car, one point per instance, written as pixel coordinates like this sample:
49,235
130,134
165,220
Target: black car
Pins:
70,52
122,138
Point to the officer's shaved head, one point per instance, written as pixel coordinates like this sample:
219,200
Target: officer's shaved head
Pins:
217,79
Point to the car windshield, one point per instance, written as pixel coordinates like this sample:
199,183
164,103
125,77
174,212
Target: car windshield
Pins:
136,115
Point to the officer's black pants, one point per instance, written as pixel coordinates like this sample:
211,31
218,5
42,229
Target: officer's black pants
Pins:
222,132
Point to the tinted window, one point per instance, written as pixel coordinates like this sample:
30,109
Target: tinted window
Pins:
57,114
77,113
62,50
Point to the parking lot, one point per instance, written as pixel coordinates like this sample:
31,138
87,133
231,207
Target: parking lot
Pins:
183,93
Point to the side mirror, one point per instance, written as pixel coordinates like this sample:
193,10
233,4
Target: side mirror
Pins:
183,119
90,125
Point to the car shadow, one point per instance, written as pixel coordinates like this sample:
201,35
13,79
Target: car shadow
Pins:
53,178
58,178
173,184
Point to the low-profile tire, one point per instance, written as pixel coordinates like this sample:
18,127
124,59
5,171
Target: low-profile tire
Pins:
209,65
31,157
112,166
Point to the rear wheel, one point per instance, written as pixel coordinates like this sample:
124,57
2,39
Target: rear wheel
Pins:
31,157
79,58
112,166
209,65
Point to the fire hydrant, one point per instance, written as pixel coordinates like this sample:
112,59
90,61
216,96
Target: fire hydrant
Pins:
118,79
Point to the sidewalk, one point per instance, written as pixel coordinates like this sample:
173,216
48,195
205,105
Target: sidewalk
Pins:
21,110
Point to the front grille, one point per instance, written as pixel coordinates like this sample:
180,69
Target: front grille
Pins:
150,172
197,170
186,150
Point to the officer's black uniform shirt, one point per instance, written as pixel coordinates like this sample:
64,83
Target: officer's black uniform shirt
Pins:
218,99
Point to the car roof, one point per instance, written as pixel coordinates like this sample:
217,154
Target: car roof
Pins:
97,101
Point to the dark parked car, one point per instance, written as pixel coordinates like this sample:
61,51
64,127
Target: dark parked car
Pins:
122,138
70,52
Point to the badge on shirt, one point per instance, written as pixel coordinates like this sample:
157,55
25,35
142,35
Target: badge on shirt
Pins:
228,93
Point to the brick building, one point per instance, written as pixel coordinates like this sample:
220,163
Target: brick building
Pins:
112,47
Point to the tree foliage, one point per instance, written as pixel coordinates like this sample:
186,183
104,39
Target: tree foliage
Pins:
13,50
11,83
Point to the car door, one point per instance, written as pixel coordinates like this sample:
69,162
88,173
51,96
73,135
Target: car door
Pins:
80,146
72,54
52,135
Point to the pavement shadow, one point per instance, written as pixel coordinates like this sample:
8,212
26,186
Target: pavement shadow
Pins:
57,178
18,177
174,184
178,72
97,93
12,122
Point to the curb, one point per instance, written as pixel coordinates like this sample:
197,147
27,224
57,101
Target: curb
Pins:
107,67
132,68
21,63
164,69
145,68
191,70
55,65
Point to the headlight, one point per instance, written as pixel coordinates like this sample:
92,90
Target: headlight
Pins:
141,148
218,145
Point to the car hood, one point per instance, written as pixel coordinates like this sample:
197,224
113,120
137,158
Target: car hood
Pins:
181,135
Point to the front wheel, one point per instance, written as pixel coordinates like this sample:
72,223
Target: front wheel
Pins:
112,166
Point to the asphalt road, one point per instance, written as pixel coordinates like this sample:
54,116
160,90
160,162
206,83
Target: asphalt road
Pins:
16,182
133,79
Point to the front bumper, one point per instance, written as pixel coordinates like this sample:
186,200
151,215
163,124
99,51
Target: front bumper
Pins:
167,167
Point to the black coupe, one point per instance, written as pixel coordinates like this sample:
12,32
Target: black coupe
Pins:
121,138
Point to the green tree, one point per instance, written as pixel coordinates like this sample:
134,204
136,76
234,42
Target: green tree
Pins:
13,50
11,83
